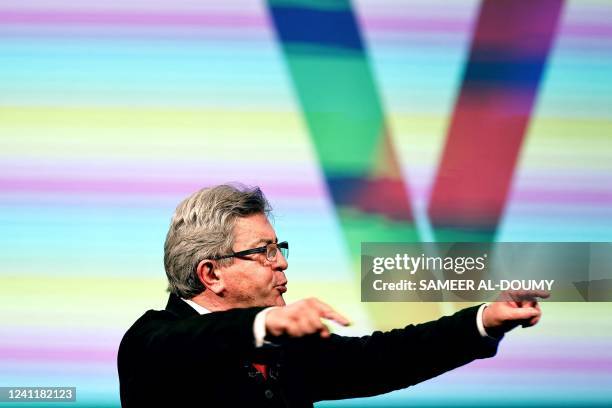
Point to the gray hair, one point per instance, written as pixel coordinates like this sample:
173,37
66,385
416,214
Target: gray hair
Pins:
202,227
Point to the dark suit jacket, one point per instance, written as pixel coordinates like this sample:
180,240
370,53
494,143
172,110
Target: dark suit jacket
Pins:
176,357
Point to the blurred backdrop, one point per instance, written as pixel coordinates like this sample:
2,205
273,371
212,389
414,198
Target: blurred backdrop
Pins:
370,120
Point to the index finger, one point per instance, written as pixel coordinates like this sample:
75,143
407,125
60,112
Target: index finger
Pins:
521,295
328,312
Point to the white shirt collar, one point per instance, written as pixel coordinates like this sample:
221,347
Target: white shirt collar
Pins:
198,308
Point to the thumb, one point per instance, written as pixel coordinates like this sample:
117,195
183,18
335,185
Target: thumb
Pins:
523,313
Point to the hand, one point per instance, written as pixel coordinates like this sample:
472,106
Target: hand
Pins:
513,308
302,318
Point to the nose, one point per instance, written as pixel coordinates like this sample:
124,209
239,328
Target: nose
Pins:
280,263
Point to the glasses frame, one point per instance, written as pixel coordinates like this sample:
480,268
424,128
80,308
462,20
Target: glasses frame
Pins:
259,250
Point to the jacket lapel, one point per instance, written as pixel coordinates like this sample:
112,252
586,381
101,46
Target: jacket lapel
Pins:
179,308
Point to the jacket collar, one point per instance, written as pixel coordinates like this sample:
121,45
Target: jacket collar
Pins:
179,308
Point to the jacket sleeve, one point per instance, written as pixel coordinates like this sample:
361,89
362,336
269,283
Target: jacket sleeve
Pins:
350,367
194,339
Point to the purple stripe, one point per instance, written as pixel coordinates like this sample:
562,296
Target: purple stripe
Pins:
75,354
563,196
420,25
132,18
289,188
538,180
533,363
34,185
544,195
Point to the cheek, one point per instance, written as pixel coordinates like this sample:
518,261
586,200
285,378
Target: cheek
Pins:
268,281
256,282
240,283
252,282
263,276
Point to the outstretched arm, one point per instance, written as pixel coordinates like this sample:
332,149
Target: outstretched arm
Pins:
348,367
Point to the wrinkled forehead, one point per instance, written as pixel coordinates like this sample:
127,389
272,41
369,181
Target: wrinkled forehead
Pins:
252,231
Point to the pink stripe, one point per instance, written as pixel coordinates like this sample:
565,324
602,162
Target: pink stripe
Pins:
375,23
418,25
586,30
408,24
252,35
131,18
50,354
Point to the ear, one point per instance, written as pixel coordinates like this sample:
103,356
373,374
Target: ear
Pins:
207,273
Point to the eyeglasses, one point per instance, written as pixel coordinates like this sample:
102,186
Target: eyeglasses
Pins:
271,250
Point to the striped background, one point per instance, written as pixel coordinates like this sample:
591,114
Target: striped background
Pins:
110,113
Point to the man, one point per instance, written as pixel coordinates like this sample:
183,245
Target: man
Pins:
227,339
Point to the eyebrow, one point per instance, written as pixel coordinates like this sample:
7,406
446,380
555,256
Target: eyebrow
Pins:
265,241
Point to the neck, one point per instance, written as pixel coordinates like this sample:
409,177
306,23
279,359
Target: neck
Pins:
210,301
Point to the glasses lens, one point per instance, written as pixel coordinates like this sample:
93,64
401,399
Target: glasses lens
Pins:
272,250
